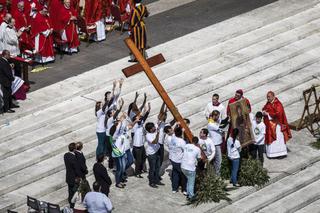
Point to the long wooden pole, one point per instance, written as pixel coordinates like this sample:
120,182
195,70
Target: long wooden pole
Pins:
156,83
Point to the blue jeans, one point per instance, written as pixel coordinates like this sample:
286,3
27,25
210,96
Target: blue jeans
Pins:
191,176
129,159
121,166
177,177
234,171
101,148
154,170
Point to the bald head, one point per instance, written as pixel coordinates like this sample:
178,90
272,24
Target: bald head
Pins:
7,17
270,96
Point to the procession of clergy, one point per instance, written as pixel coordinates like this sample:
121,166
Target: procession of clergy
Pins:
127,137
35,27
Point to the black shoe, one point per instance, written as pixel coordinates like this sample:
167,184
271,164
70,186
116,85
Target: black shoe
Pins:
119,186
14,106
10,111
153,185
160,178
160,184
132,60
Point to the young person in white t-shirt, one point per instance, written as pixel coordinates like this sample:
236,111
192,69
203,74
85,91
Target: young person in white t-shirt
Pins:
259,131
207,146
191,155
139,152
152,151
234,149
215,105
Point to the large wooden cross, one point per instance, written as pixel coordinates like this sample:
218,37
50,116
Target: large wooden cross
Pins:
156,83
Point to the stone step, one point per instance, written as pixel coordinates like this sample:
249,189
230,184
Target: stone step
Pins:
7,167
275,194
79,104
296,200
312,207
56,166
82,84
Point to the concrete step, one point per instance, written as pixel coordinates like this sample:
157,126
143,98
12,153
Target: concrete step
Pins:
73,122
243,24
78,104
296,200
312,207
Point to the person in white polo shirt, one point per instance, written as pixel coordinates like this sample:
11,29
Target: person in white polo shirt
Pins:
153,154
234,149
191,155
214,104
259,131
207,146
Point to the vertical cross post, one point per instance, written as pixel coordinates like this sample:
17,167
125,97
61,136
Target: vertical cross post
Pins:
156,83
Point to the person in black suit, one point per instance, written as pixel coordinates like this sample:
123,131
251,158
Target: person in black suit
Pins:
6,79
81,160
73,172
101,174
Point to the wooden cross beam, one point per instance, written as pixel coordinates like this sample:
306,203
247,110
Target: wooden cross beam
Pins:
156,83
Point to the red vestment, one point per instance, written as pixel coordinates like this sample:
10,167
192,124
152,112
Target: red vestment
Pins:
75,4
14,6
55,7
93,11
108,4
276,112
69,26
40,26
22,21
123,6
2,15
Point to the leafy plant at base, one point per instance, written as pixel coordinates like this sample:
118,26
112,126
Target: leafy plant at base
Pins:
225,171
316,144
210,188
252,173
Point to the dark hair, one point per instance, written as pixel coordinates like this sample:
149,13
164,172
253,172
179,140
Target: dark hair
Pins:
113,129
178,132
259,115
166,129
195,140
79,146
96,186
235,133
109,112
72,147
84,188
100,158
215,95
205,131
149,126
186,120
107,93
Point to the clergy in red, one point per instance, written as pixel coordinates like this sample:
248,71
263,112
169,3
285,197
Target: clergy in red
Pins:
277,128
22,24
68,16
3,10
126,7
94,17
42,36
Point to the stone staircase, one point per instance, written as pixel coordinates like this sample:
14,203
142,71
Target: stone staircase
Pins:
275,47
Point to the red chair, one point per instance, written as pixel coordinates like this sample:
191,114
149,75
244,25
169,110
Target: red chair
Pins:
118,17
87,28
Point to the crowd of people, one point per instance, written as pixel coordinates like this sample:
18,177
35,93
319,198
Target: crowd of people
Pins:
32,28
126,137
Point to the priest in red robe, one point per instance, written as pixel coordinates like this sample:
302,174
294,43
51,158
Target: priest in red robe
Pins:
3,10
277,128
54,6
42,36
22,24
68,16
126,7
94,16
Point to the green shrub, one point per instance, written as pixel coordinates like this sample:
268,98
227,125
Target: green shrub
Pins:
316,144
225,171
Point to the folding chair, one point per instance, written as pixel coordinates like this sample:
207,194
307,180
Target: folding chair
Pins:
121,19
53,208
34,205
86,28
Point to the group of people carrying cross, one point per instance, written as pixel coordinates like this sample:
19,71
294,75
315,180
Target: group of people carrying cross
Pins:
32,28
128,138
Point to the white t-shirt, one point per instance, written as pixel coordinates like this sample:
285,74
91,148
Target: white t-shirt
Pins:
233,151
110,123
167,141
190,157
100,121
151,148
210,108
215,133
259,131
120,144
177,149
138,138
161,133
208,148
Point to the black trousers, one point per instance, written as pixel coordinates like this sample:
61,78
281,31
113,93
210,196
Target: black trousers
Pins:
257,149
7,98
139,154
71,191
161,152
109,152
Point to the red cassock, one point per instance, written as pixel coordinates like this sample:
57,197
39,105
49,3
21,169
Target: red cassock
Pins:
75,4
2,15
55,7
69,26
108,4
14,6
40,24
22,21
276,112
93,11
123,5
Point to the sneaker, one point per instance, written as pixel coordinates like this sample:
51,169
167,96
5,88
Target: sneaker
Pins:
185,193
173,192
